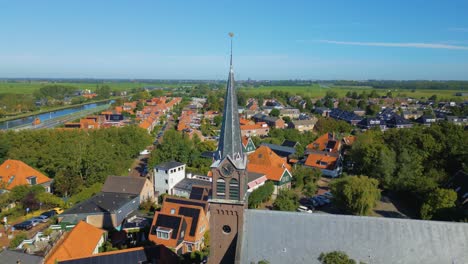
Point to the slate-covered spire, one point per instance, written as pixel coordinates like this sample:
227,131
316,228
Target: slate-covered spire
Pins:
230,142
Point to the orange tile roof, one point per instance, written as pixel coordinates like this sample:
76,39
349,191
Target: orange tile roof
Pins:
252,127
265,161
15,172
321,161
245,141
80,242
321,143
244,121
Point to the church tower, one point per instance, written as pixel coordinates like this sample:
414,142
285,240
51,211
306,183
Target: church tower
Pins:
229,183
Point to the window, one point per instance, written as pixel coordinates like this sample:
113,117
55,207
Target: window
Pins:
234,189
226,229
172,211
32,180
163,233
189,247
166,181
221,188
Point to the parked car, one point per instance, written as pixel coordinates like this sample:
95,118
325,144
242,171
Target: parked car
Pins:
304,209
328,195
319,202
49,214
41,218
323,198
26,225
34,221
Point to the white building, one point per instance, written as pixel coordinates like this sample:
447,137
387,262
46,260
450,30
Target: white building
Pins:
167,175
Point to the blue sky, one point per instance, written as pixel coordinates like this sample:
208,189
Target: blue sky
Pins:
273,39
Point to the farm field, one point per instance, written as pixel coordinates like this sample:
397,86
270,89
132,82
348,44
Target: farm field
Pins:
320,91
30,87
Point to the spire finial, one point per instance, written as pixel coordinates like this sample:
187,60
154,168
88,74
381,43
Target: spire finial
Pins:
231,35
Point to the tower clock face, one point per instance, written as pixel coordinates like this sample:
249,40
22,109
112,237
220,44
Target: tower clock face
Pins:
227,169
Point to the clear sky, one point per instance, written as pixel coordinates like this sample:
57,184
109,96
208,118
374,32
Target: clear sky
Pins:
310,39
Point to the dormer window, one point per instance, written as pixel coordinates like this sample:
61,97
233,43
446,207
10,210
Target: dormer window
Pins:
32,180
163,232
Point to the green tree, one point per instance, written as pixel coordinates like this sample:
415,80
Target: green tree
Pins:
261,195
275,112
286,200
356,194
309,189
438,201
335,257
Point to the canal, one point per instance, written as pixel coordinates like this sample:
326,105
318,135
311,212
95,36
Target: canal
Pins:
48,115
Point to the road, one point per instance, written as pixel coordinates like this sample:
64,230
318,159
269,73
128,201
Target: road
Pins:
141,163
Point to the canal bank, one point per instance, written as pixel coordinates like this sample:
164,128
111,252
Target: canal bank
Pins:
53,115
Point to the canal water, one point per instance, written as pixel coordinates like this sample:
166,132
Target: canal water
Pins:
48,115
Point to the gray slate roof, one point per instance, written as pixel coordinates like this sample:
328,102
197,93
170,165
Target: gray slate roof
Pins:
124,184
168,165
101,203
187,183
230,142
11,257
289,237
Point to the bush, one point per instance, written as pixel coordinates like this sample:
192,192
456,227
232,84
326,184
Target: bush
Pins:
261,195
335,257
148,206
438,201
18,239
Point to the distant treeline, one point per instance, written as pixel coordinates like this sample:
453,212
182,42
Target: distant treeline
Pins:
410,85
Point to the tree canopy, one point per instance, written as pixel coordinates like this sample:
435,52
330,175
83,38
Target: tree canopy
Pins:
356,194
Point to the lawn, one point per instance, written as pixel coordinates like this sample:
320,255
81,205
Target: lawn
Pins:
317,90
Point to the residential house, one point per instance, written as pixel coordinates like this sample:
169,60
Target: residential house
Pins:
369,122
271,121
457,120
150,254
292,113
250,113
282,151
399,122
184,187
290,143
359,112
255,180
276,169
104,210
167,175
412,114
324,154
210,115
426,120
15,172
248,145
260,129
180,224
346,116
130,185
304,125
323,111
83,240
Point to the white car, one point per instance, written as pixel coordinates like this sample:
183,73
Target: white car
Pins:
34,221
304,209
145,152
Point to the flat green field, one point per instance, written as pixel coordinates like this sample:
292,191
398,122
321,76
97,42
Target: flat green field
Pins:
30,87
320,91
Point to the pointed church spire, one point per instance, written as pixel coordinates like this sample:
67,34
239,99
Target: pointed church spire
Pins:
230,142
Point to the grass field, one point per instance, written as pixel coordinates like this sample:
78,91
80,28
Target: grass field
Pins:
320,91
